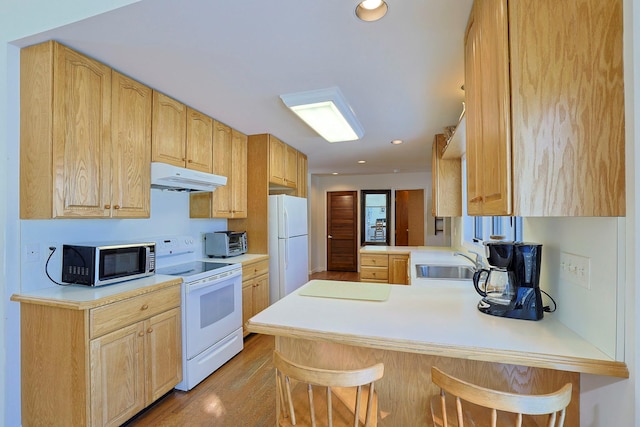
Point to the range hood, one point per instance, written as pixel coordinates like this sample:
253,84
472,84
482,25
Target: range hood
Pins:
173,178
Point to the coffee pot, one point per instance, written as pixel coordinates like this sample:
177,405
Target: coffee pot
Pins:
510,287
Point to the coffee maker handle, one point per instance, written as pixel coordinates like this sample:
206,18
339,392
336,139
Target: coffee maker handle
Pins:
476,281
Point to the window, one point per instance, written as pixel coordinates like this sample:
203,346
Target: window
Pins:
375,217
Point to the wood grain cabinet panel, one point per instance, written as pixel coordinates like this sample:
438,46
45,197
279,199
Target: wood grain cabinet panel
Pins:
199,144
276,161
291,166
65,134
255,289
131,148
229,160
537,143
446,177
398,269
384,268
169,130
302,183
70,378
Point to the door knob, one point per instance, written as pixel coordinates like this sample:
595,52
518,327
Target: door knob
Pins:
329,236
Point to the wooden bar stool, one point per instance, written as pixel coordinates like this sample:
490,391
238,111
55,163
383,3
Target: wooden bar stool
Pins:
464,404
305,391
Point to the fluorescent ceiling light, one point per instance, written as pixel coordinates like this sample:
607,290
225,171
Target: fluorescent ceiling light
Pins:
327,112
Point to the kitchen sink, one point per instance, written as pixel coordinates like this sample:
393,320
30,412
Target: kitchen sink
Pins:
452,272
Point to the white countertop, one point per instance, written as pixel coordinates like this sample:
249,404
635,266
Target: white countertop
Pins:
440,318
83,297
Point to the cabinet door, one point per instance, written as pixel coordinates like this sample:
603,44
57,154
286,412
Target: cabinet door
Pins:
199,141
163,350
496,109
169,130
117,376
291,167
222,165
398,269
247,303
302,175
131,147
81,136
446,182
260,293
487,92
239,175
473,107
276,161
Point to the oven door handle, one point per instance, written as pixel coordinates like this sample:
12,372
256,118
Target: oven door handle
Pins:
208,282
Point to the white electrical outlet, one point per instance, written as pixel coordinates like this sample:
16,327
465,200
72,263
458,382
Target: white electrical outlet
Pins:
32,252
575,269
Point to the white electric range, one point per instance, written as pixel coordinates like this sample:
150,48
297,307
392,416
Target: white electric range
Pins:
211,309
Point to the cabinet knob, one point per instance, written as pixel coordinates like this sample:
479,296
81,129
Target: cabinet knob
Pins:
141,334
149,330
116,207
189,161
144,307
107,206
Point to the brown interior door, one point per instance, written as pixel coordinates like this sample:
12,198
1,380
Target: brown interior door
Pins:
342,231
402,218
410,218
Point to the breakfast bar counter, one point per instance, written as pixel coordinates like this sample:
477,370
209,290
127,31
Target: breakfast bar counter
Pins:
411,328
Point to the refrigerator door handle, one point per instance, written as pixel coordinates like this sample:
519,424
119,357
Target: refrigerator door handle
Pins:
286,255
285,215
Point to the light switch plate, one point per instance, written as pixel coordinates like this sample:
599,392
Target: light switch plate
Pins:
575,269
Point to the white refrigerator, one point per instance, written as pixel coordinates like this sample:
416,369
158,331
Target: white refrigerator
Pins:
288,245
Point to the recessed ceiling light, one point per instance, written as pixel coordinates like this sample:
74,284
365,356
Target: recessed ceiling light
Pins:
362,161
371,10
397,141
334,173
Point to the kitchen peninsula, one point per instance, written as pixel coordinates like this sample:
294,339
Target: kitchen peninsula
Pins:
435,324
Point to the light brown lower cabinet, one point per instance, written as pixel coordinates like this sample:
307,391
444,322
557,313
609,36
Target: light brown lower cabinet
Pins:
255,289
384,268
99,366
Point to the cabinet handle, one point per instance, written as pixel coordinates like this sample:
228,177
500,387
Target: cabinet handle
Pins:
476,199
116,207
144,307
149,330
189,161
140,334
107,206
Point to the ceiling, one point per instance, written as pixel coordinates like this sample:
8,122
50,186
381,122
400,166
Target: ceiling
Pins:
232,60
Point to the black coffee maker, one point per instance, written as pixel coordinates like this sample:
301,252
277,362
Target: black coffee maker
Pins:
511,287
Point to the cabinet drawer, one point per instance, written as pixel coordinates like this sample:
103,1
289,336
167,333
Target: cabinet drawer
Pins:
374,273
374,260
122,313
255,269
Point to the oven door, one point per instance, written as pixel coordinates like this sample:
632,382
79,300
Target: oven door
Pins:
213,310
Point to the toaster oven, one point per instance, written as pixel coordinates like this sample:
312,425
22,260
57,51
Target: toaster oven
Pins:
222,244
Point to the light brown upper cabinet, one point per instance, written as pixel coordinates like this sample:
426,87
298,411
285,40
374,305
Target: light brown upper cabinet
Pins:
302,175
446,177
131,147
230,160
545,108
182,136
283,164
72,134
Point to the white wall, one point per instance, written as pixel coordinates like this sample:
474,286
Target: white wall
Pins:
320,185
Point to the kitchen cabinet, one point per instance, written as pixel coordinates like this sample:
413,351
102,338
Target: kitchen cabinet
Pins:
260,164
283,162
384,268
84,137
255,289
537,143
446,186
399,269
181,136
302,183
230,160
98,363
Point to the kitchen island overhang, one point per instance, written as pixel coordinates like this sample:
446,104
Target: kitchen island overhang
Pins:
438,324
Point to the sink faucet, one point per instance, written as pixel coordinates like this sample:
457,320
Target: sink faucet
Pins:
478,264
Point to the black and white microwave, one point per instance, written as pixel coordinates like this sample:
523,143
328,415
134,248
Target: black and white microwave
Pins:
105,263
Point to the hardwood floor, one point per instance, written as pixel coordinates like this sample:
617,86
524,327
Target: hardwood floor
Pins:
239,394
